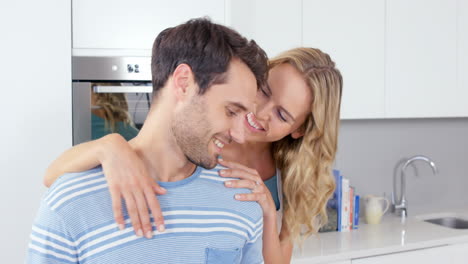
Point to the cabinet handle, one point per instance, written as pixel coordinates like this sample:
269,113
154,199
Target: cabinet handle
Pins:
122,89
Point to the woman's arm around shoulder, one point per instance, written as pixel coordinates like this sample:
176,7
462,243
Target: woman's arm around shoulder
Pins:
126,176
82,157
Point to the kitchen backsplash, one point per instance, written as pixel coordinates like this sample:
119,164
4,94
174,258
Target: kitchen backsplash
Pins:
371,152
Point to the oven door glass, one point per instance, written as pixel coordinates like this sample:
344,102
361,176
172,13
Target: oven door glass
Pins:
101,108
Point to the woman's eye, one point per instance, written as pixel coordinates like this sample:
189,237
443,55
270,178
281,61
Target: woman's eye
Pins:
281,116
265,91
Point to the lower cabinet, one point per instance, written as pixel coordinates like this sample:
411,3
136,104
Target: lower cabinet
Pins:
449,254
436,255
459,254
305,261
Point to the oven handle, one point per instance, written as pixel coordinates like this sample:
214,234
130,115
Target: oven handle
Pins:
122,89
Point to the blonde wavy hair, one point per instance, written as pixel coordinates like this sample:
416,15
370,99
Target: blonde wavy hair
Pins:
115,108
306,163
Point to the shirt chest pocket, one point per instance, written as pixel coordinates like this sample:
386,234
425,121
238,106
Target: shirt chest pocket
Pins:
215,255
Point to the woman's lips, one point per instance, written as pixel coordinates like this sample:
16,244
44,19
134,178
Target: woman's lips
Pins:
253,124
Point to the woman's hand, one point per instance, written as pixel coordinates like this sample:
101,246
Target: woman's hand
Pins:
250,179
275,250
128,178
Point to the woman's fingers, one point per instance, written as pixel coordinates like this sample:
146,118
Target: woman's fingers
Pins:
158,189
143,213
241,174
235,165
117,206
132,210
258,197
137,204
249,178
258,190
155,208
236,170
248,184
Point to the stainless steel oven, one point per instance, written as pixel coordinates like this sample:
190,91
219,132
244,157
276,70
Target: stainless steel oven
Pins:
110,95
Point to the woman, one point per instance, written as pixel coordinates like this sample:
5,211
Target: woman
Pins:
109,114
290,147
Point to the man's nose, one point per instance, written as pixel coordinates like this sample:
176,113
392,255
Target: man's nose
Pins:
238,131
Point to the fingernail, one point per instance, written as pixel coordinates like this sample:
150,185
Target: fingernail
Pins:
149,234
220,159
121,227
228,183
161,228
139,233
222,172
237,196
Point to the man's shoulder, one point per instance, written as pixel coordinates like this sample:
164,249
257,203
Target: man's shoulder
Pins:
74,185
212,175
224,196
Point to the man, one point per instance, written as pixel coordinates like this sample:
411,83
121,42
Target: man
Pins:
205,79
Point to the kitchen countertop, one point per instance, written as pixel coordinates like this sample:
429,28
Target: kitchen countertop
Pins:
390,236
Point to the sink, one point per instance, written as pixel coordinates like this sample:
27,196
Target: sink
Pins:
452,222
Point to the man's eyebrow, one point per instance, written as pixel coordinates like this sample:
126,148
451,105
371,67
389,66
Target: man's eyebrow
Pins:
238,105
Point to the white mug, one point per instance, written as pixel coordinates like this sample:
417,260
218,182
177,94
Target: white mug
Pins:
374,208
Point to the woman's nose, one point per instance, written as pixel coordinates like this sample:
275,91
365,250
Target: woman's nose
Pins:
263,112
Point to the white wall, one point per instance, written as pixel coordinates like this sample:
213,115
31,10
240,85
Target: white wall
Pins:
35,78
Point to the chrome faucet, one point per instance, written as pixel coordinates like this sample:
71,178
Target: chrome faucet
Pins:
400,206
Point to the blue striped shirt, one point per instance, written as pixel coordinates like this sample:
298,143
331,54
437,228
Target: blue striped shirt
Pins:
204,224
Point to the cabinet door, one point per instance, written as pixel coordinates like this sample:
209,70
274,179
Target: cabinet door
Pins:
427,256
460,254
274,24
308,261
119,24
421,59
352,32
462,45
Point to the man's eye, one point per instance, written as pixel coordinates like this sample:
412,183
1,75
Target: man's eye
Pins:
230,113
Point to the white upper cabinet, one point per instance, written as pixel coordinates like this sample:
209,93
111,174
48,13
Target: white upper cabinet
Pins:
421,59
117,25
462,45
398,58
276,25
352,32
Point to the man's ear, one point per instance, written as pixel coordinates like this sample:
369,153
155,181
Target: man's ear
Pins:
298,133
183,80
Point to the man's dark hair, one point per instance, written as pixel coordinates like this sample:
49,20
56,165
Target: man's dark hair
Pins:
208,49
